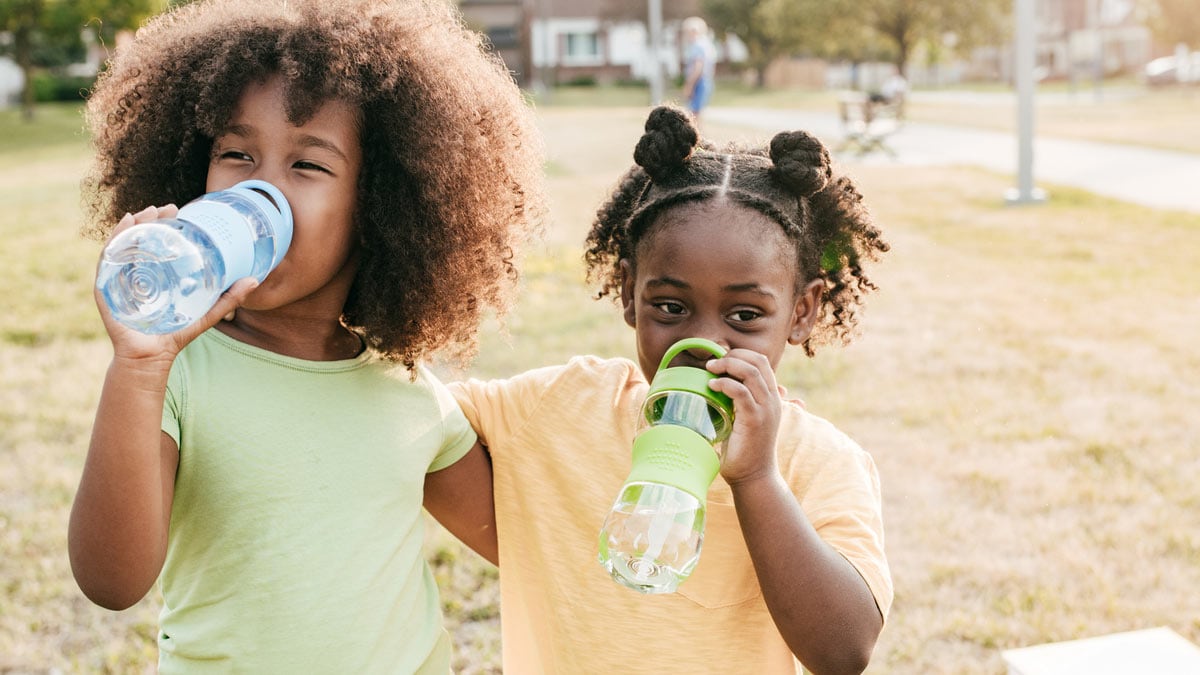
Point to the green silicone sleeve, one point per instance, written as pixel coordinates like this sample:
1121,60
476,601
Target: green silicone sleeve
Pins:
675,456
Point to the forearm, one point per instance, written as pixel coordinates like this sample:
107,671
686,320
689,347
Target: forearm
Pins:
118,528
821,605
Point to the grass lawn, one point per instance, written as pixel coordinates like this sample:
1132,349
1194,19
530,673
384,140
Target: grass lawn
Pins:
1026,381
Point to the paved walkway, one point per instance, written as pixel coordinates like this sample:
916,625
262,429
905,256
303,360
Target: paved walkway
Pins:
1155,178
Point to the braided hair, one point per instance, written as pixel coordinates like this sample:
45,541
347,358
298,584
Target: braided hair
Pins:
791,182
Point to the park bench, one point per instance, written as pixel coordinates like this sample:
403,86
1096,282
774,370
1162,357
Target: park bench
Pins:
867,122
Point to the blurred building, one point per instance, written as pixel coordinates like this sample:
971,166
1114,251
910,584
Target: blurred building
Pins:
11,82
1076,39
551,42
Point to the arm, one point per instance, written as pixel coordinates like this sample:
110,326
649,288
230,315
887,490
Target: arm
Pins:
117,536
821,605
460,497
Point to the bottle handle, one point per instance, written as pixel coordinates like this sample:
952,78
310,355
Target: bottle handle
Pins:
691,343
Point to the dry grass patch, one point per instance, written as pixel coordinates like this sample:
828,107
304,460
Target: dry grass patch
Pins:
1158,118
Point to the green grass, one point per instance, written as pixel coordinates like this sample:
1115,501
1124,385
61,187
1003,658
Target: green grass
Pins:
55,125
1026,381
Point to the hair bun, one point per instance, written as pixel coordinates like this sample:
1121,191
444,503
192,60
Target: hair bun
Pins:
668,141
801,162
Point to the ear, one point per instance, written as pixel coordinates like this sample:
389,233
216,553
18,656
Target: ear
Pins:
806,311
627,303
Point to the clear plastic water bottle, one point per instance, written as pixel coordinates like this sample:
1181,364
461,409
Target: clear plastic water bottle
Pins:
652,537
160,276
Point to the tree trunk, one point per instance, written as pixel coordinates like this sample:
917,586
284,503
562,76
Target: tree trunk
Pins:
23,46
902,50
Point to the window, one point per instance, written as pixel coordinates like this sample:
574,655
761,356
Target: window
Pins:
582,48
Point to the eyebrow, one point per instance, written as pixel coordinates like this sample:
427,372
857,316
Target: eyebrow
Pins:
306,140
747,287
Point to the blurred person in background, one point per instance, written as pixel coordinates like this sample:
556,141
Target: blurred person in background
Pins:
699,63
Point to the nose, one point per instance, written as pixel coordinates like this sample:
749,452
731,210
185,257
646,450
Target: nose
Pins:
698,356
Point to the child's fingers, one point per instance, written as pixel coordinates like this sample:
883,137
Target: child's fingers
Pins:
127,221
146,215
231,299
749,369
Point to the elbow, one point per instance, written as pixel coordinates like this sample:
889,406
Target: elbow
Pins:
108,588
857,655
847,663
856,661
851,657
106,596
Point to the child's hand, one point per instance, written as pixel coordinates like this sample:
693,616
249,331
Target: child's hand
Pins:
131,344
747,378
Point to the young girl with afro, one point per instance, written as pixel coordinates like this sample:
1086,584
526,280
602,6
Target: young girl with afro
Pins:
268,464
755,250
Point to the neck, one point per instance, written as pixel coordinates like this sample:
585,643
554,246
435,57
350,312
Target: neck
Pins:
297,336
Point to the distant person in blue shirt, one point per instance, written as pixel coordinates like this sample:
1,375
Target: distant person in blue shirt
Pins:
699,62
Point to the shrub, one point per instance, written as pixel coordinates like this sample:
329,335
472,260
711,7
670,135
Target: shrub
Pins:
58,87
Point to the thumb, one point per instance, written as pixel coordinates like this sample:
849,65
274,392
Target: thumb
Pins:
230,300
226,304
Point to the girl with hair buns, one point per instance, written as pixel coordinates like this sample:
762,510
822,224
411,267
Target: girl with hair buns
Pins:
755,249
268,466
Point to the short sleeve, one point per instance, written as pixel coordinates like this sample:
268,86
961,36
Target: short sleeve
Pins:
498,408
844,504
173,403
457,435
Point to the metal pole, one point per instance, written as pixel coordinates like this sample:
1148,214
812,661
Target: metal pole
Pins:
654,24
1097,11
1025,60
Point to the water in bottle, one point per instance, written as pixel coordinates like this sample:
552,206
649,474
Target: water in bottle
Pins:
652,537
160,276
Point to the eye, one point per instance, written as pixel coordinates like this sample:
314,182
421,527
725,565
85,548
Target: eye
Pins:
235,155
745,315
310,166
669,307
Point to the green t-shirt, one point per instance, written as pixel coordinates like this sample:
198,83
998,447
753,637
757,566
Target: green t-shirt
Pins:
296,530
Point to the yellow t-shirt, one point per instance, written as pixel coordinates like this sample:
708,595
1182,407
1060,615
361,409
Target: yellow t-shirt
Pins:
560,440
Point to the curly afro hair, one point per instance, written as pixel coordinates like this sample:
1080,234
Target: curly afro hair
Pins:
791,182
451,183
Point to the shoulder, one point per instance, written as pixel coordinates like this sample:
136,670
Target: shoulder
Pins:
811,445
579,374
501,407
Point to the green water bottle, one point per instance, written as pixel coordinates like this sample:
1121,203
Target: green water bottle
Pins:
652,537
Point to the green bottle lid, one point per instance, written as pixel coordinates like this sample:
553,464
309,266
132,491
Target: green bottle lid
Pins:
694,380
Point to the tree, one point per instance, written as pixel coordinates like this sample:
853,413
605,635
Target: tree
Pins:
871,29
769,28
20,18
1173,21
44,30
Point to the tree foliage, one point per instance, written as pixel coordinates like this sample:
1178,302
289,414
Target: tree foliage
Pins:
904,24
857,30
49,33
770,28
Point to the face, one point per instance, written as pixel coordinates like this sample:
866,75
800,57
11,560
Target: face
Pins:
316,165
720,271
